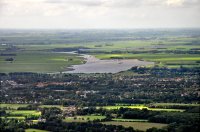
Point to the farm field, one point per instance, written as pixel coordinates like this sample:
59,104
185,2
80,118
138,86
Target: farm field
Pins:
129,120
39,62
16,106
117,106
83,118
14,117
174,104
12,106
35,130
23,112
143,126
163,59
50,106
140,107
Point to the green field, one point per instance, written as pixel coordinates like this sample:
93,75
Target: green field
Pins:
39,62
143,126
16,106
170,60
117,106
83,118
50,106
140,107
161,59
35,130
129,120
12,106
174,104
15,117
23,112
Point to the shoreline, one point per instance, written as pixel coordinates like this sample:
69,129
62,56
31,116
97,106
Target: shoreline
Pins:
95,65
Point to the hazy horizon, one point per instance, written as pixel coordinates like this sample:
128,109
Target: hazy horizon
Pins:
99,14
153,28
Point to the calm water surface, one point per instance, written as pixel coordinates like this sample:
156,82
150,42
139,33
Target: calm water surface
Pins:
95,65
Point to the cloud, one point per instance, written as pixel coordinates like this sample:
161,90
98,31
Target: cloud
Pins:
183,3
175,2
62,7
96,13
125,3
77,2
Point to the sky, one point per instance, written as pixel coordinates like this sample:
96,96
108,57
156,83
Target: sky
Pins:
95,14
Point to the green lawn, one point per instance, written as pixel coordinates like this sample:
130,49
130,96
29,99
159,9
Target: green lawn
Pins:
143,126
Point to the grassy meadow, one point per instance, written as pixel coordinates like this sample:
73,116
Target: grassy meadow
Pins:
16,106
35,130
160,59
83,118
12,106
129,120
23,113
39,62
117,106
14,117
143,126
140,107
174,104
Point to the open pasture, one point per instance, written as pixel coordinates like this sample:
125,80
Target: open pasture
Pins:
35,130
170,60
50,106
23,113
174,104
16,106
143,126
44,62
129,120
14,117
140,107
12,106
83,118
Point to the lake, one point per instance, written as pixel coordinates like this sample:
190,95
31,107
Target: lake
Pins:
95,65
